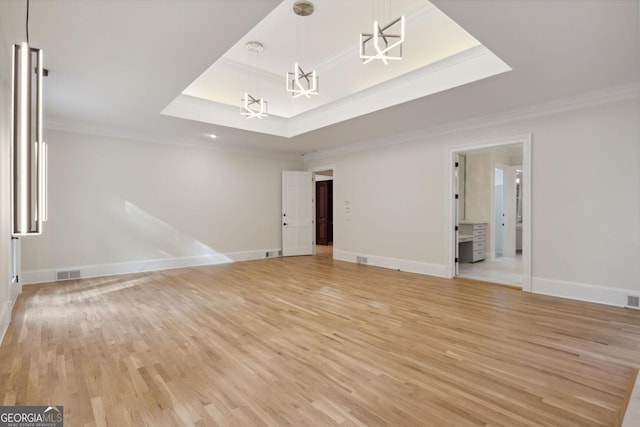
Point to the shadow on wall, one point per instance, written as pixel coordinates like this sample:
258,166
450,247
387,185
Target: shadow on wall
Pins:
164,239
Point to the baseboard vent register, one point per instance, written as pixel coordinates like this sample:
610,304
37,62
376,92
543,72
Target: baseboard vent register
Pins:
361,260
67,275
633,301
271,254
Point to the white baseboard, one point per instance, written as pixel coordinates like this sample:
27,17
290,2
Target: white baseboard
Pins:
6,309
582,291
540,285
5,318
101,270
439,270
558,288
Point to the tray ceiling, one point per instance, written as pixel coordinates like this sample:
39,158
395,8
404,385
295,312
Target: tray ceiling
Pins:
438,55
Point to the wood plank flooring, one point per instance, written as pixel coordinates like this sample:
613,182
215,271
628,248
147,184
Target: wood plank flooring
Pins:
309,341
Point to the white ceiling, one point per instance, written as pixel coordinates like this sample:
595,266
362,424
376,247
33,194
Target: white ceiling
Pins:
115,65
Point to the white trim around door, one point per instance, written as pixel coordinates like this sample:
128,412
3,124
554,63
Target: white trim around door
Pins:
452,152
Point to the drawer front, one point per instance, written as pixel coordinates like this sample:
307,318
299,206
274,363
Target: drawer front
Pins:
478,255
479,227
480,231
478,245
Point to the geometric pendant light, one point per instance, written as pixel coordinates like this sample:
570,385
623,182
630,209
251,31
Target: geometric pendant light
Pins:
299,83
251,106
384,43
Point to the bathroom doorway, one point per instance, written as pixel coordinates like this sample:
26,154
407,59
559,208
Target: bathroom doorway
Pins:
489,214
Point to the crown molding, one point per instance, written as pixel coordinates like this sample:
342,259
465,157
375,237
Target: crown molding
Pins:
592,99
453,71
203,110
76,128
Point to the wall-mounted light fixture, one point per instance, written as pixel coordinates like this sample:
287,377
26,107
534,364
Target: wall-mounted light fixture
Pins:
28,190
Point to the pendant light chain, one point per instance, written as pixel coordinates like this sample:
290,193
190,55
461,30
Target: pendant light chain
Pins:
27,22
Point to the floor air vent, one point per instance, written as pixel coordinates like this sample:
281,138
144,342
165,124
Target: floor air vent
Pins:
66,275
633,301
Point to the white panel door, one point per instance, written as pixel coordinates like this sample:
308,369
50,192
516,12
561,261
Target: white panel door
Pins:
297,213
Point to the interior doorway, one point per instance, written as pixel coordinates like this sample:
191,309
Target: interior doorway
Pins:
324,230
324,211
491,212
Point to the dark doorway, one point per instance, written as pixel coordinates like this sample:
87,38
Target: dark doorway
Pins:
324,212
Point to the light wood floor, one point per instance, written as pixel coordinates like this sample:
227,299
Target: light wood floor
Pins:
309,341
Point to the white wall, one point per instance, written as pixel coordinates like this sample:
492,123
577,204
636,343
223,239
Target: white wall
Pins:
394,197
118,205
585,200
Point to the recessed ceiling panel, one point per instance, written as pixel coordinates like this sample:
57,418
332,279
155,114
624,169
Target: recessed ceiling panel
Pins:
437,55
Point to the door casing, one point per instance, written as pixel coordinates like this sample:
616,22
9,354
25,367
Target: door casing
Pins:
452,221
